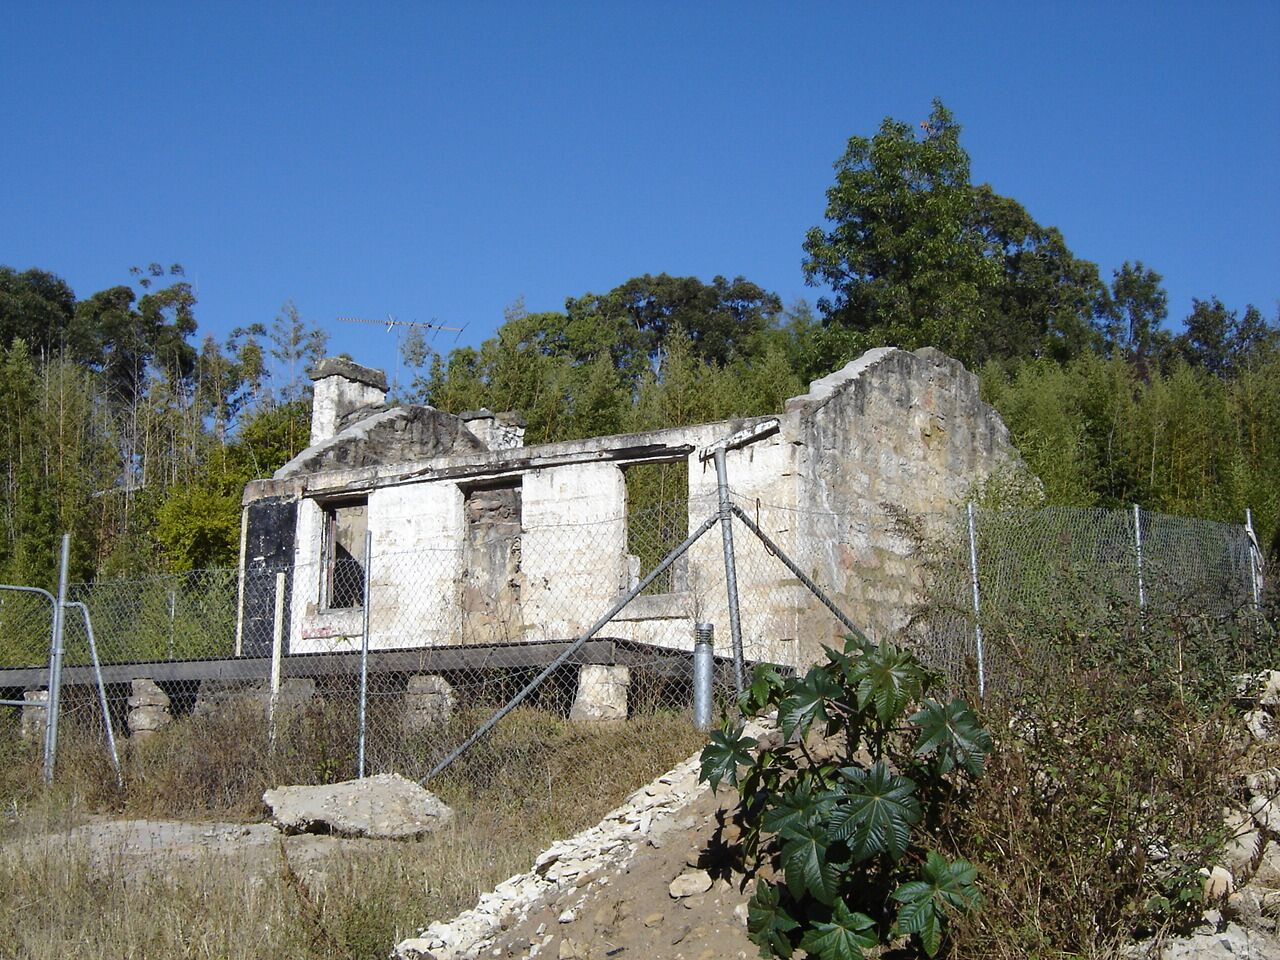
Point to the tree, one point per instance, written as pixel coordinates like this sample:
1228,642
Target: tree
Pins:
39,308
900,254
1139,305
1253,339
915,255
1207,340
1045,301
634,319
295,347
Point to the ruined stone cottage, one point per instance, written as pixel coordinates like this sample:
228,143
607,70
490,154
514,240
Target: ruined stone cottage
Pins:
480,539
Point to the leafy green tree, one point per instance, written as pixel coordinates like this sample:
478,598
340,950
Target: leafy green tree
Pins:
38,308
915,255
721,319
900,254
1046,302
1219,342
1253,340
1139,306
1207,339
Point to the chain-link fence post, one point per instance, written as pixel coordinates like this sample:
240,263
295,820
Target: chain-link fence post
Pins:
1137,542
704,667
277,650
364,650
730,570
1255,560
977,602
55,662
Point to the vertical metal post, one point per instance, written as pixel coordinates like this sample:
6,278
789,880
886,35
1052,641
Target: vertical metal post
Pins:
364,648
1137,540
977,603
730,570
1255,560
55,662
704,668
277,651
172,613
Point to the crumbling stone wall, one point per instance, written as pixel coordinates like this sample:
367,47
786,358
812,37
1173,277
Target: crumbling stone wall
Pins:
891,429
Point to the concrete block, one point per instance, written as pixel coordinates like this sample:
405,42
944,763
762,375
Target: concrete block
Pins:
602,694
428,702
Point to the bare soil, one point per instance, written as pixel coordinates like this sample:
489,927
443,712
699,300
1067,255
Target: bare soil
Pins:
630,912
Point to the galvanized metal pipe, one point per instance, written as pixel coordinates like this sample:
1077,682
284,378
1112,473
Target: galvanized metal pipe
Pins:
1137,540
730,571
704,670
573,648
364,648
277,651
977,604
1255,560
55,663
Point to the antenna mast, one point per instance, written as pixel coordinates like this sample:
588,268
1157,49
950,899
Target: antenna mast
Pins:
391,322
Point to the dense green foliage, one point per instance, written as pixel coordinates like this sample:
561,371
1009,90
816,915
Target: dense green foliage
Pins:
119,429
125,427
843,815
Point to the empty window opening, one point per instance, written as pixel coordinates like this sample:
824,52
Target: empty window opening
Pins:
344,534
491,578
657,521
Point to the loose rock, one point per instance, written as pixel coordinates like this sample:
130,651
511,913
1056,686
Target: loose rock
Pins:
386,806
690,883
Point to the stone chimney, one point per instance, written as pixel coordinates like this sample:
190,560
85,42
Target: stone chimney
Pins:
497,431
341,388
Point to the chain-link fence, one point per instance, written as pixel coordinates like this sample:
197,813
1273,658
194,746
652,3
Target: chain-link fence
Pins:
995,575
394,656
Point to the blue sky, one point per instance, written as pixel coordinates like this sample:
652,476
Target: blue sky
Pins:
437,162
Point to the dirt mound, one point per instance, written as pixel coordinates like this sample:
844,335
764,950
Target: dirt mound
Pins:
631,911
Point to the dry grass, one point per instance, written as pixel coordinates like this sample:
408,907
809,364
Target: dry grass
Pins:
536,778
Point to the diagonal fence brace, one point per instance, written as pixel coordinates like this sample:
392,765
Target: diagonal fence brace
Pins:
577,645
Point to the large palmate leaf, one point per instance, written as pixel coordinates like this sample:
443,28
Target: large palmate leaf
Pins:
807,702
768,923
877,813
794,807
945,887
727,749
888,678
805,863
954,733
844,938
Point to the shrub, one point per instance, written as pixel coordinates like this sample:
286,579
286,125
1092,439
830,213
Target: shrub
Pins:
843,832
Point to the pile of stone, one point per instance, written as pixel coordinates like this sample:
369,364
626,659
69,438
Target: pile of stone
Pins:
578,864
1243,891
148,709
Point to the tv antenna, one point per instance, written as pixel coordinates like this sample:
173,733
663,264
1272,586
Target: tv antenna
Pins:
391,323
394,326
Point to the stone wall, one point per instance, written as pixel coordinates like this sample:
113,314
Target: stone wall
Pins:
907,430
